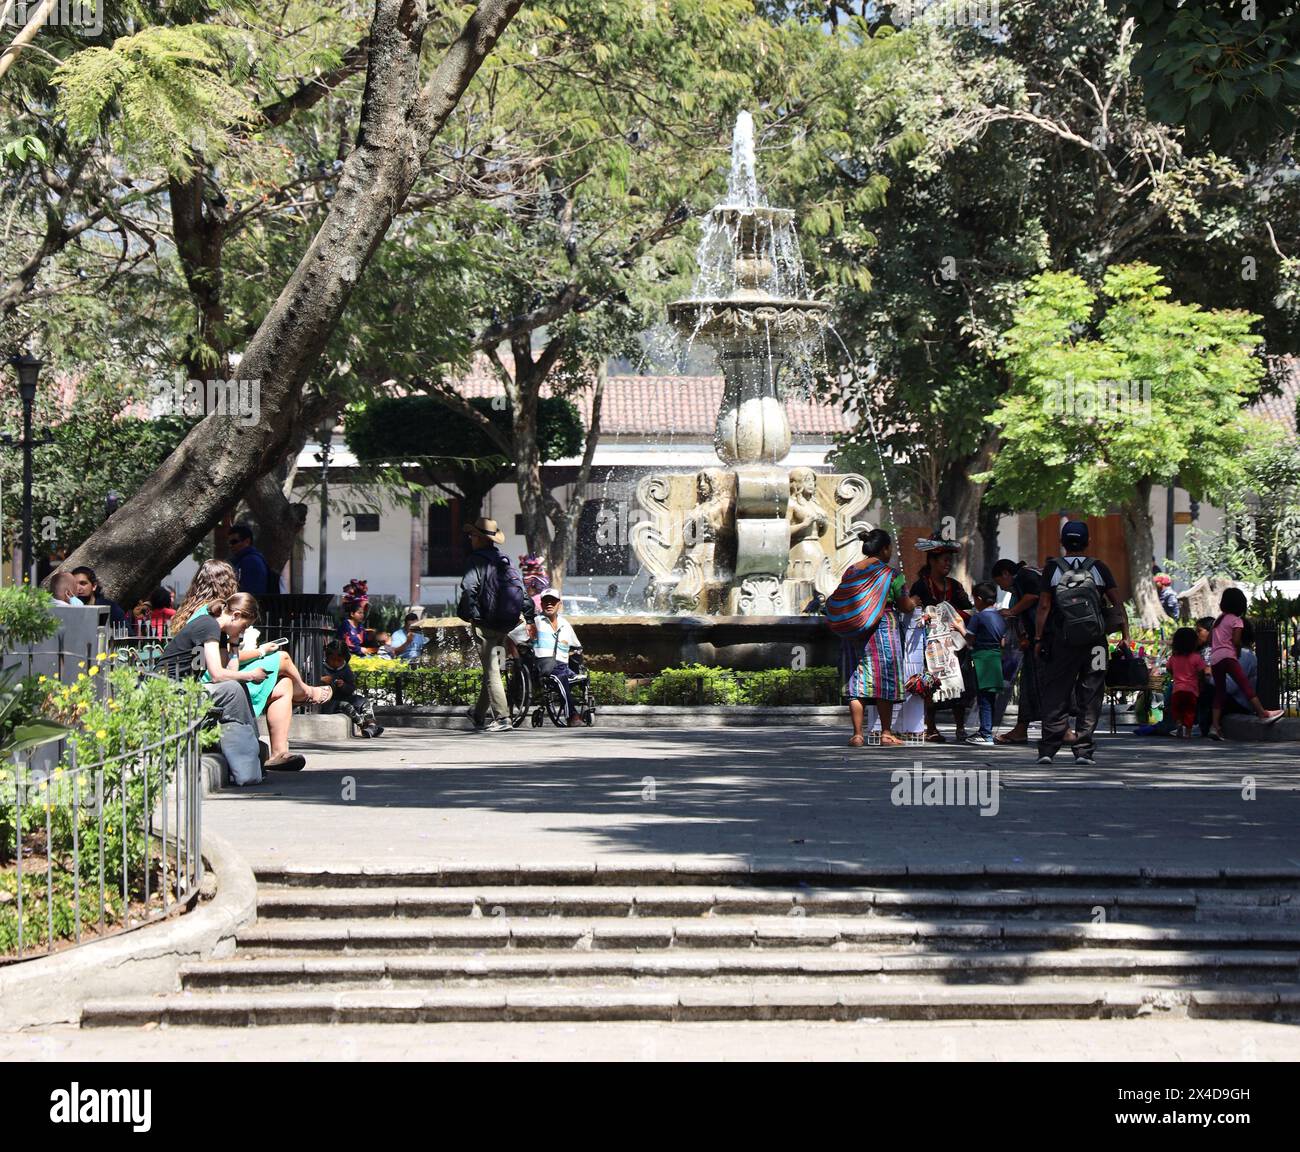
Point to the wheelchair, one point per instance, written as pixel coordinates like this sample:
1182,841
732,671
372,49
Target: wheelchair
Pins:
530,692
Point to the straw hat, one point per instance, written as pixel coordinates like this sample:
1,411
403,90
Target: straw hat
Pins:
487,528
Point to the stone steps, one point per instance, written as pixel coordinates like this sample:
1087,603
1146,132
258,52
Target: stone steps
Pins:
693,1001
1176,905
348,935
713,940
628,968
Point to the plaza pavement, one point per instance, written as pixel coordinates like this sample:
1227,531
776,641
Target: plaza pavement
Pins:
772,795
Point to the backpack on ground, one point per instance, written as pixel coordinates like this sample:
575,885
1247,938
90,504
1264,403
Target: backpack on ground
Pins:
501,595
1076,604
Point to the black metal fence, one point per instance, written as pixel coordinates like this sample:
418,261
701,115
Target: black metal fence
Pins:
1277,647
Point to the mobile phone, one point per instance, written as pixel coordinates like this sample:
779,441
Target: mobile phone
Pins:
282,643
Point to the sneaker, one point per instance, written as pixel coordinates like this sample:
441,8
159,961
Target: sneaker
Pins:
1086,760
978,739
373,730
1273,717
1044,759
498,726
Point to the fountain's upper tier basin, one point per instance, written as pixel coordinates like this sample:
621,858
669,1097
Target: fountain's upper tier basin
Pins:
643,645
744,313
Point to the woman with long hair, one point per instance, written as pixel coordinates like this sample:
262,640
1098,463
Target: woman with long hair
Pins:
872,658
215,580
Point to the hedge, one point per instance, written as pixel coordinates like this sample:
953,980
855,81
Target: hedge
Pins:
688,686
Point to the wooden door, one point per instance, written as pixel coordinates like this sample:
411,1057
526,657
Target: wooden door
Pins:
1105,542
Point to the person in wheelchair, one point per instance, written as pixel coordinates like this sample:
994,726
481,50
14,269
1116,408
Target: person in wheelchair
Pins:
558,650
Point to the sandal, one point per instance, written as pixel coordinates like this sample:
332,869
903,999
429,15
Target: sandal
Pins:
936,738
1004,738
889,740
856,741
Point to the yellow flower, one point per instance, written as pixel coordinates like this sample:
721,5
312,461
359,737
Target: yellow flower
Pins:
41,679
102,734
94,669
81,663
81,675
114,705
102,656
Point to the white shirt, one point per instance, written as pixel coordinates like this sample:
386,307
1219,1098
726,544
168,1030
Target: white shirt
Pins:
556,640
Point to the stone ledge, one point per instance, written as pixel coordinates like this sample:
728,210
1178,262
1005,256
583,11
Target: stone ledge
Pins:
1247,728
144,961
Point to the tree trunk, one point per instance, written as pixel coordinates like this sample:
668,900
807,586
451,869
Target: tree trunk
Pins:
960,498
567,532
1138,527
279,522
210,469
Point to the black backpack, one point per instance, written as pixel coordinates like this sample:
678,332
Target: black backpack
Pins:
501,595
1076,604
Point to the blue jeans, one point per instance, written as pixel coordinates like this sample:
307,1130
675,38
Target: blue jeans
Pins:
239,743
988,700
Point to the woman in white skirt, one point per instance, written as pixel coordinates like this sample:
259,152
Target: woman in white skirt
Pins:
910,718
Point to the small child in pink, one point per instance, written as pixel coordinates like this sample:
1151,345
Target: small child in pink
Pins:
1186,666
1225,644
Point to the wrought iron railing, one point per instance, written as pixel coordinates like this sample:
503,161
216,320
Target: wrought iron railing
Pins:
88,847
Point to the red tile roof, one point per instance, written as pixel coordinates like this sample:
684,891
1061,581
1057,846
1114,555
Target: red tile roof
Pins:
678,405
1282,407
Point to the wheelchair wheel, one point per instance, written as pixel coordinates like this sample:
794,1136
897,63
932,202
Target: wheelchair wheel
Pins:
556,706
518,691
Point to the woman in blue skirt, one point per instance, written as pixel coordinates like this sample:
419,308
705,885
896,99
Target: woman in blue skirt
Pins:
872,660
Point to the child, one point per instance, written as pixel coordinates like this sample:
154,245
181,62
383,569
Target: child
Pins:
343,680
1187,667
1225,644
986,630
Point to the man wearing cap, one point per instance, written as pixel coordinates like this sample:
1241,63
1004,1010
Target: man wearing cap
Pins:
1071,673
489,568
556,643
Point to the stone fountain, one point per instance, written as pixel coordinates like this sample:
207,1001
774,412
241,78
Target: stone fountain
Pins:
750,538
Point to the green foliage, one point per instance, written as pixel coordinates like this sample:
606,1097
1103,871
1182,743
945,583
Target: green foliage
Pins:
1147,389
167,91
25,616
102,444
1225,71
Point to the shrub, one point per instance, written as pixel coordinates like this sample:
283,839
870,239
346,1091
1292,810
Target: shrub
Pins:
25,616
789,686
693,684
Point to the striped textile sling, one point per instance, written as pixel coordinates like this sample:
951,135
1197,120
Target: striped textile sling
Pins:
855,607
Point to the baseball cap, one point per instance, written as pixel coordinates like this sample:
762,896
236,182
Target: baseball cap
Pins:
1075,534
550,594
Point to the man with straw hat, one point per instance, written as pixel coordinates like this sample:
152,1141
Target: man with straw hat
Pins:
492,598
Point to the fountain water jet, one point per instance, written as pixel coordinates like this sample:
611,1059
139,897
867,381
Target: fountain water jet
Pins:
751,538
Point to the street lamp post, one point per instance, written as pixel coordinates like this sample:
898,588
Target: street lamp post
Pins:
28,368
326,434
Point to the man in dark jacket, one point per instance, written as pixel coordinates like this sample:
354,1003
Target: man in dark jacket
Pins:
484,536
255,576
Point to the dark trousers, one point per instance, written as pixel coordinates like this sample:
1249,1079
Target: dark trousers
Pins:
1068,681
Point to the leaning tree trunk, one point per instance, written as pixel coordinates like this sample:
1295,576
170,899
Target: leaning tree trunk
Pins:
1138,529
205,476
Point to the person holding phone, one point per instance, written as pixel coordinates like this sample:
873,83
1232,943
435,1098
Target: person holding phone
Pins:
200,649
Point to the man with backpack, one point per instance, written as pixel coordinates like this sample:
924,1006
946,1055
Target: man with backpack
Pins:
492,598
1072,649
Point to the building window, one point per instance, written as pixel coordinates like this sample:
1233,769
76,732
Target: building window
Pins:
365,521
446,545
